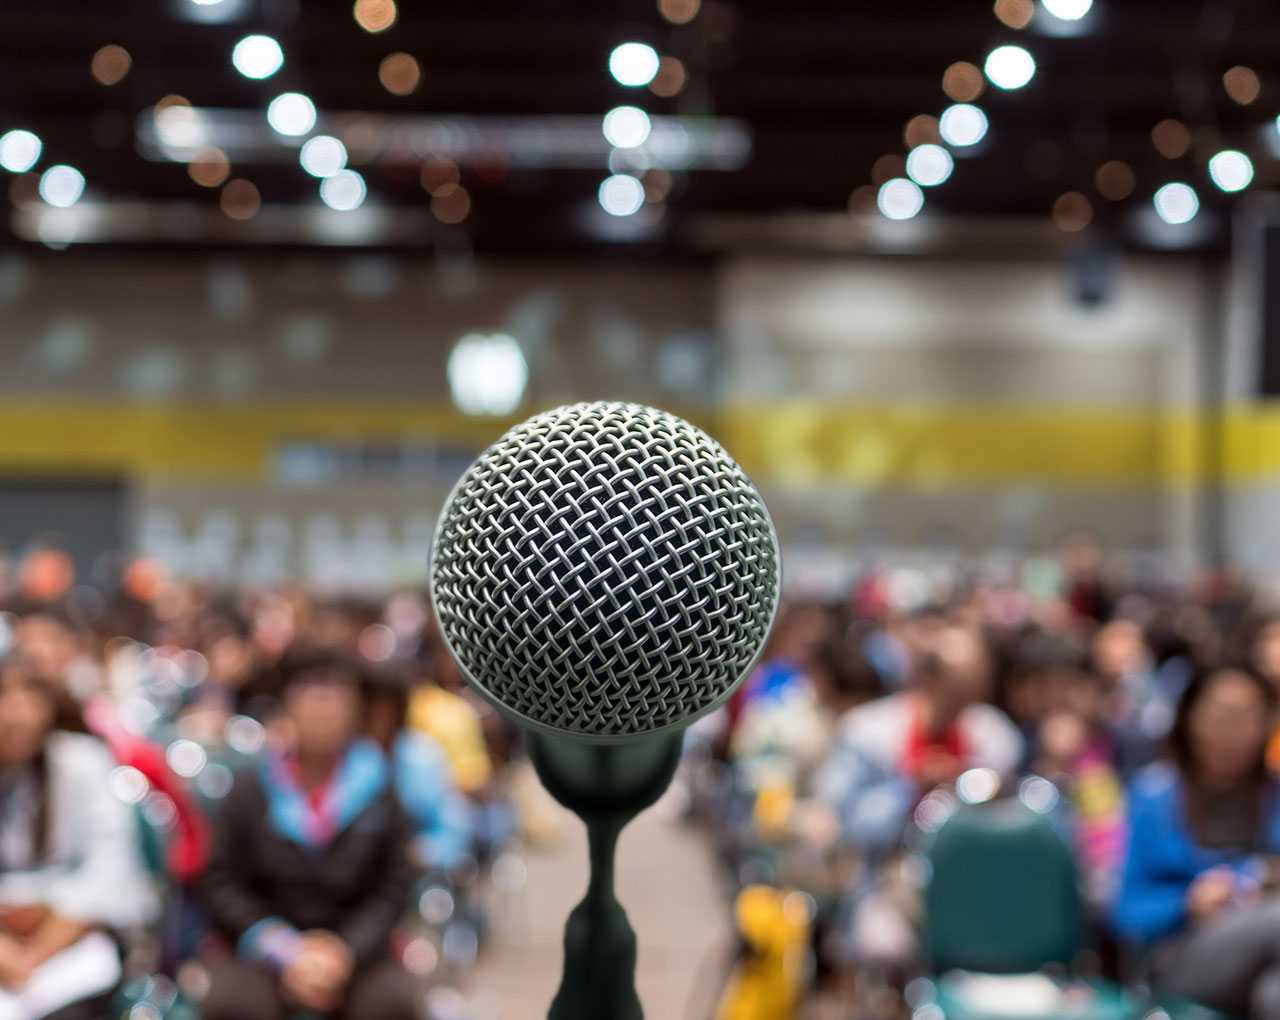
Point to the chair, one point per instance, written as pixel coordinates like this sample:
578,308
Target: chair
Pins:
1003,911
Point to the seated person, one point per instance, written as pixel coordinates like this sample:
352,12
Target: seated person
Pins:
1194,886
441,816
310,868
71,871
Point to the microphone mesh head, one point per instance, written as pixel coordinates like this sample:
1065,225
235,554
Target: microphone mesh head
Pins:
605,571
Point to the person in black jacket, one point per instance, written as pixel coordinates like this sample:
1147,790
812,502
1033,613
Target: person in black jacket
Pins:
310,868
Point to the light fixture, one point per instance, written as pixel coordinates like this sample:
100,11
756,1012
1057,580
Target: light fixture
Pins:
257,56
929,165
291,113
322,156
621,195
1176,203
1010,67
962,124
343,191
626,127
1231,170
19,150
900,199
62,186
1068,10
633,64
487,373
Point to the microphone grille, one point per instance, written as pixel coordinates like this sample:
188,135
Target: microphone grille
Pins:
605,571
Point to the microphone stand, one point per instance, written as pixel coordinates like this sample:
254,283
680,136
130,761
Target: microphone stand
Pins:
606,785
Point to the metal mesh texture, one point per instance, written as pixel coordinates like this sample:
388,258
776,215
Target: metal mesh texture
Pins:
605,570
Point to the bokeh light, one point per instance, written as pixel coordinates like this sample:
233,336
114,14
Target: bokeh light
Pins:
679,12
626,127
110,64
1176,203
670,79
291,113
487,373
61,186
900,199
240,199
1242,84
257,56
1068,10
1072,212
621,195
1015,13
963,82
633,64
438,173
962,124
400,73
1010,67
1171,138
375,15
888,166
20,150
451,203
209,167
929,165
862,199
657,185
1115,180
322,156
1231,170
921,129
343,191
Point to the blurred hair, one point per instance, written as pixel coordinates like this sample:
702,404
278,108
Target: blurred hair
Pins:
302,660
849,672
1203,681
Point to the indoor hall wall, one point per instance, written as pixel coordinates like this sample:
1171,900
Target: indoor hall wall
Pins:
973,405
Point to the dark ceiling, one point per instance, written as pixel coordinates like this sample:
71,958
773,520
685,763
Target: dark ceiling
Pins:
825,87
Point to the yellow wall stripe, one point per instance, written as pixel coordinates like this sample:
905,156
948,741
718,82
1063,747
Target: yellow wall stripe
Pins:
892,444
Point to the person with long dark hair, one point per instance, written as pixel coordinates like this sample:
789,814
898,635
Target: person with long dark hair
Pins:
1203,832
71,871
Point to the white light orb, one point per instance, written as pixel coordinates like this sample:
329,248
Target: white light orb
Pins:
1068,10
1010,67
929,165
19,150
1176,203
61,186
291,113
633,64
621,195
343,191
487,373
900,199
257,56
1231,170
962,124
323,156
626,127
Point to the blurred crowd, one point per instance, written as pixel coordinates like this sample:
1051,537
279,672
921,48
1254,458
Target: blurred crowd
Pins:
242,804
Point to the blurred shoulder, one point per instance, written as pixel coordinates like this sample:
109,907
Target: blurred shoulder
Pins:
79,753
1156,783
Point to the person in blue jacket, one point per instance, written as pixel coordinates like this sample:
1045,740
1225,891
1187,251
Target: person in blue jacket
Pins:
1204,829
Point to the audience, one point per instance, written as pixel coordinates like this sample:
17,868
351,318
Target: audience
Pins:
310,869
362,759
1203,830
71,877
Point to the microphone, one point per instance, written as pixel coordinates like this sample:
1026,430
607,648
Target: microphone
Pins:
604,574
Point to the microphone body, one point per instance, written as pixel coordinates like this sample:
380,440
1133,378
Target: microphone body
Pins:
604,574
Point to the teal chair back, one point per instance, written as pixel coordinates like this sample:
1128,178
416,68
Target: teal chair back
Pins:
1002,896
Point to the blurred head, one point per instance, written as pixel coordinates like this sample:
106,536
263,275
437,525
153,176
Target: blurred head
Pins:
28,711
321,698
1120,649
49,641
1265,651
841,674
1220,733
956,669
